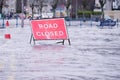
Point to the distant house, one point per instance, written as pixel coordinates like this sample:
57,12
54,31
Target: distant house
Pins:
110,5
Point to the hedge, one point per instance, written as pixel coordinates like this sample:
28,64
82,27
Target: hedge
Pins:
88,13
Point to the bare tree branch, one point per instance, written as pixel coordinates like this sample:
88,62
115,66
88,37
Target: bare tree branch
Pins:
67,4
102,3
54,6
1,5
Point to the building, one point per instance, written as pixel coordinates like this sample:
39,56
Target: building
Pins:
47,8
14,6
9,6
110,5
111,8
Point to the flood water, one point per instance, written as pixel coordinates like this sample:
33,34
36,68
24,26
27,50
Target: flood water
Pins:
94,54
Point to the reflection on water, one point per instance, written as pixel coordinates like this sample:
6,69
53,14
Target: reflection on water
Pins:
48,47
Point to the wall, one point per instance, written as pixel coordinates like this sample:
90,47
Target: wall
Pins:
113,14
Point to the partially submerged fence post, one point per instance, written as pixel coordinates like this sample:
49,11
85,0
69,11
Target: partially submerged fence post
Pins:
16,21
91,22
80,22
117,23
3,25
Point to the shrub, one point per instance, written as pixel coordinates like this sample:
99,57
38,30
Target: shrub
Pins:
97,13
88,14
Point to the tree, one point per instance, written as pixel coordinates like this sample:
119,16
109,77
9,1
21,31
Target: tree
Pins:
67,4
84,4
19,5
102,3
84,7
32,6
54,6
1,5
40,6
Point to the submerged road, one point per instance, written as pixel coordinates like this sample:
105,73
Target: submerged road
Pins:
93,55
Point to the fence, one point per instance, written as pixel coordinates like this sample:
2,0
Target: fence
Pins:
88,23
69,22
13,22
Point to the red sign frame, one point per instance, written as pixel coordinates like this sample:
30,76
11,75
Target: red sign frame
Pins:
49,29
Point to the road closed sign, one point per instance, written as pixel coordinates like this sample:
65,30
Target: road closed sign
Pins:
49,29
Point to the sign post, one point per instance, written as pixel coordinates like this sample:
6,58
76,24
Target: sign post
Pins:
49,29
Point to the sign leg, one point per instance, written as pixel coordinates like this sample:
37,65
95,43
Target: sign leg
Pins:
34,40
31,38
63,42
69,42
